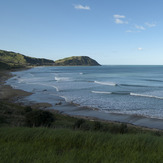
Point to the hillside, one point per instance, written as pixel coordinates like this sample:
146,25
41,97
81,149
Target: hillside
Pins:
10,60
76,61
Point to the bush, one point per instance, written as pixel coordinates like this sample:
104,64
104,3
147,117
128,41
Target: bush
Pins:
85,126
97,125
123,128
27,109
78,123
38,118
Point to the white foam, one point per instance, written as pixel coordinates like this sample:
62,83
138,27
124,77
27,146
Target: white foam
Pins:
100,92
57,89
81,73
144,95
62,78
65,98
105,83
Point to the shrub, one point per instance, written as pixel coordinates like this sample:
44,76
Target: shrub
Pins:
78,123
27,109
97,125
38,118
85,126
123,128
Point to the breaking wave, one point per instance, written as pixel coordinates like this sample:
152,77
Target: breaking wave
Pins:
62,78
101,92
128,93
106,83
144,95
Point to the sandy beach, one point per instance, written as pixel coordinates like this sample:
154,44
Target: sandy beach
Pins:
61,106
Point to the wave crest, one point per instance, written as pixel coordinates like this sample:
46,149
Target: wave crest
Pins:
106,83
100,92
62,78
144,95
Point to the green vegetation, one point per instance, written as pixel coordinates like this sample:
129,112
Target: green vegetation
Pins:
76,61
10,60
67,145
36,118
69,139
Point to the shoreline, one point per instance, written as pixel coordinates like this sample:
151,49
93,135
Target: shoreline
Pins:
70,109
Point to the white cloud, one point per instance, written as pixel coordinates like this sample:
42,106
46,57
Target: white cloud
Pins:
140,49
119,19
139,27
81,7
150,25
119,16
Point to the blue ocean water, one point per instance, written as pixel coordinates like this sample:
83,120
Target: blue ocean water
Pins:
133,90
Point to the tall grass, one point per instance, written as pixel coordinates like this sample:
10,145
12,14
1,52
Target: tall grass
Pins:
74,146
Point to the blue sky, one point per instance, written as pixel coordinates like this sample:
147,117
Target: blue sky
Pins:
114,32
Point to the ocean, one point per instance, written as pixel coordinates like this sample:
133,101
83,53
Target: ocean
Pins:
128,90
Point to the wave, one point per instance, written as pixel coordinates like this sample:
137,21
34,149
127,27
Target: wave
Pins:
154,80
57,89
127,93
101,92
144,95
121,93
62,78
115,93
106,83
132,85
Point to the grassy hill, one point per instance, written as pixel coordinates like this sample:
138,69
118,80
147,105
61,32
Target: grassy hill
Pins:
77,61
9,60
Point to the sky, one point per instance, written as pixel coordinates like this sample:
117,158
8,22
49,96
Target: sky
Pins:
113,32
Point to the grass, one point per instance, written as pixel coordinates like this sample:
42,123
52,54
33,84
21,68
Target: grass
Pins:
76,60
11,60
67,145
73,140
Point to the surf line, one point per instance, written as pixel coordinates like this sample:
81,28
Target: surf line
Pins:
148,96
106,83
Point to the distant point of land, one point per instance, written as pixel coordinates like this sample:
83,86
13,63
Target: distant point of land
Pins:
77,61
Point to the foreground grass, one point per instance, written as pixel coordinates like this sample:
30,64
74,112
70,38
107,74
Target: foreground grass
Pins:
73,140
67,145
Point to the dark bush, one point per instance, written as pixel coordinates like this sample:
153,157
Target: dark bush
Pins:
2,119
38,118
157,133
27,109
123,128
97,126
85,126
78,123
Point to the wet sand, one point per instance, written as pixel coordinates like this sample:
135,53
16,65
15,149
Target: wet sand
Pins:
60,105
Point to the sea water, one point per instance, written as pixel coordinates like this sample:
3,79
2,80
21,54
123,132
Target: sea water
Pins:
132,90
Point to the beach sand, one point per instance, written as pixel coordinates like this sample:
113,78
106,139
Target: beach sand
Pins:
61,106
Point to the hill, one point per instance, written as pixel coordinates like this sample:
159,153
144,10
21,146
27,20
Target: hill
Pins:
77,61
10,60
